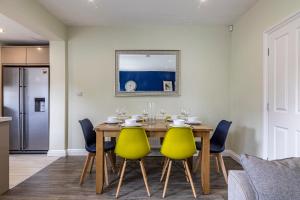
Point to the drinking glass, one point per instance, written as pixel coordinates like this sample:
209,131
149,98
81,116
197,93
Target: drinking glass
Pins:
151,109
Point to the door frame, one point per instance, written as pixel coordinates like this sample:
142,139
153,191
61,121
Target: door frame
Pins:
265,112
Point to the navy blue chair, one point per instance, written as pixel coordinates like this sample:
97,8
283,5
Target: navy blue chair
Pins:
217,146
90,146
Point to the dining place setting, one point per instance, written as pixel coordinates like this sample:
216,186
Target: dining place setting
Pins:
126,137
138,120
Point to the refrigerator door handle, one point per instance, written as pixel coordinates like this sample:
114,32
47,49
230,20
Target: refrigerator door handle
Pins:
21,95
22,131
22,108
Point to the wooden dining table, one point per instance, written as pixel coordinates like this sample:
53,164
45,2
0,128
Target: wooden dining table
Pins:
157,129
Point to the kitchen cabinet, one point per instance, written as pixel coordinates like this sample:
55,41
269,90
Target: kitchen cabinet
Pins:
13,55
25,55
37,55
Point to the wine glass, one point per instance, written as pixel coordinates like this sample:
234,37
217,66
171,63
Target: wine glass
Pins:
187,112
163,113
183,112
118,112
123,112
145,112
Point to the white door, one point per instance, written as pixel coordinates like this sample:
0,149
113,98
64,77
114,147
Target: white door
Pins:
283,88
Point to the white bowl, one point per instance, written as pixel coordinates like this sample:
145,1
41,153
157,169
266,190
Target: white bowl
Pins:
137,117
179,126
178,122
131,125
112,119
193,119
130,122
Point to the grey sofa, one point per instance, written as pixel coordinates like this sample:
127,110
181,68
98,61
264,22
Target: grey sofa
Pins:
270,180
239,187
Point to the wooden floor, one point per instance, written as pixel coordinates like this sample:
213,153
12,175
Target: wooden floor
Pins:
60,181
23,166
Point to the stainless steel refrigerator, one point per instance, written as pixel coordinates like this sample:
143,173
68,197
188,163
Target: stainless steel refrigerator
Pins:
25,99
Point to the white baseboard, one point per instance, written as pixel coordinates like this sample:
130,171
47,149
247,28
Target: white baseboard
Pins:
232,154
77,152
57,153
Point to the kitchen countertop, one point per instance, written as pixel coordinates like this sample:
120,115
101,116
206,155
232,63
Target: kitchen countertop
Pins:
5,119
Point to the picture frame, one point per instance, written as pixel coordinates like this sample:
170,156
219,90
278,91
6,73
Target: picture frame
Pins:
123,73
168,86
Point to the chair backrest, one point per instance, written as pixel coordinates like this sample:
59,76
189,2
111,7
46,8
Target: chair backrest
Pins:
132,143
88,132
179,143
220,134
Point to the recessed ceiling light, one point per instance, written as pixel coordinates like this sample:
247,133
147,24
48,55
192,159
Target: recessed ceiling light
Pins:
94,3
1,30
202,1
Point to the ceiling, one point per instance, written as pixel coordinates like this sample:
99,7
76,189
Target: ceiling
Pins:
15,33
146,12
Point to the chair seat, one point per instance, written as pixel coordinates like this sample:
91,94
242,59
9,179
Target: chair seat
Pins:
108,146
213,148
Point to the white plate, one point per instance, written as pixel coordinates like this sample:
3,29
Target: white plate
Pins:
179,126
116,122
131,125
194,122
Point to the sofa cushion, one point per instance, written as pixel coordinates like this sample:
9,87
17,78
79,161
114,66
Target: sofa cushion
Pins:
239,186
273,180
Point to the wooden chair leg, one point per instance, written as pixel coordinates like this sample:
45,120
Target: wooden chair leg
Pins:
190,178
111,160
185,171
105,169
85,167
121,178
167,179
217,165
164,169
220,157
145,177
121,165
198,162
93,160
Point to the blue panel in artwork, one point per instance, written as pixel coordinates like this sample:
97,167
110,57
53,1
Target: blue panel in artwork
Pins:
147,80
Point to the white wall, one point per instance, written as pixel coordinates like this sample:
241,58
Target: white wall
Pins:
246,73
58,95
204,72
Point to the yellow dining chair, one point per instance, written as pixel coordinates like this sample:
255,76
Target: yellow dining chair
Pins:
179,144
132,144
